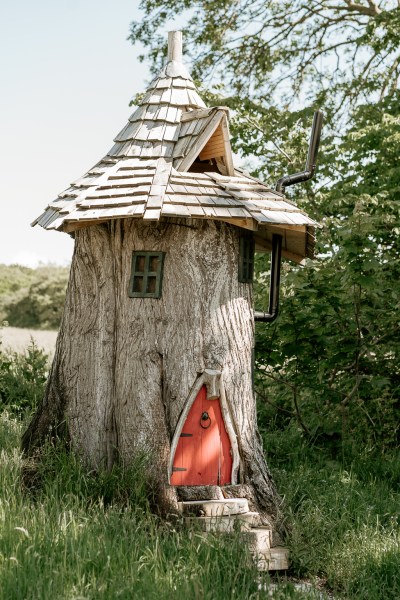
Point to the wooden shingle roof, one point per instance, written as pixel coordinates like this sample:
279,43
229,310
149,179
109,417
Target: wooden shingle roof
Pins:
173,159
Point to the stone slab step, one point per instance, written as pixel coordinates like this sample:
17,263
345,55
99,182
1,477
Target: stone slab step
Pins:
278,560
199,492
258,540
214,508
226,524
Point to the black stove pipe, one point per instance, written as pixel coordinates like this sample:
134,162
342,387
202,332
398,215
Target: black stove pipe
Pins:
311,163
275,277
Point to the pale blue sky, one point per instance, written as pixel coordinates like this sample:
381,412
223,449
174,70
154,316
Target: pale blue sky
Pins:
67,74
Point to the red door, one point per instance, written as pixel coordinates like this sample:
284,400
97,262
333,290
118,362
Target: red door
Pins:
203,454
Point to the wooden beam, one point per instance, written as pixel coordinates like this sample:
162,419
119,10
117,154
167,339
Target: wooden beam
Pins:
175,46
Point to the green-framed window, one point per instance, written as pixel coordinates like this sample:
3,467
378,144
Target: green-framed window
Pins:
146,274
246,258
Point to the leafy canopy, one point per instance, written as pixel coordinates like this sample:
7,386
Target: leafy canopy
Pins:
330,362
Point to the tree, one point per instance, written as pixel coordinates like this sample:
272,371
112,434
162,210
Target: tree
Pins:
330,361
154,352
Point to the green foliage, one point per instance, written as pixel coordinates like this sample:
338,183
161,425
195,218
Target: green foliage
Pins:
91,536
32,298
22,379
343,519
330,361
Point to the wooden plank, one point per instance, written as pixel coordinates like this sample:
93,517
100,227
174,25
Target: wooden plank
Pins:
180,147
179,199
175,46
151,149
154,202
167,149
173,114
138,114
121,182
239,212
222,212
156,96
171,133
163,82
144,130
195,99
215,145
213,153
228,149
151,111
166,96
201,113
180,96
87,204
128,132
152,214
156,131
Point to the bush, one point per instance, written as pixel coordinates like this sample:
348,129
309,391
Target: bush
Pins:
22,379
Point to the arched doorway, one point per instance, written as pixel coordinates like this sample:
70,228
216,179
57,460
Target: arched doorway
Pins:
203,454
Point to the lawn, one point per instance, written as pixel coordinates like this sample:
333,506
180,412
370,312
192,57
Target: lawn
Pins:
69,534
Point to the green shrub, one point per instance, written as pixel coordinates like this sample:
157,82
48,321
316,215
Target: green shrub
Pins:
22,379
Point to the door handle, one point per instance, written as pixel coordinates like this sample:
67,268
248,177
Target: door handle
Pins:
205,420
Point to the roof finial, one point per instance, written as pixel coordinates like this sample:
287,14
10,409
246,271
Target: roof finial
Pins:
175,46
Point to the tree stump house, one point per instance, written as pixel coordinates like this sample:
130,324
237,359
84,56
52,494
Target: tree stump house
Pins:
154,351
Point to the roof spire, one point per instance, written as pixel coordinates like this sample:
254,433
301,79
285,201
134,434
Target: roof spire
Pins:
175,46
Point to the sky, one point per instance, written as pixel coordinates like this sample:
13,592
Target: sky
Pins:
67,74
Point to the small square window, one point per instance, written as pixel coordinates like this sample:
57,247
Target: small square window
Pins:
246,259
146,275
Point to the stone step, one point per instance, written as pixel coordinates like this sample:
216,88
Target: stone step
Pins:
199,492
226,524
214,508
276,560
258,540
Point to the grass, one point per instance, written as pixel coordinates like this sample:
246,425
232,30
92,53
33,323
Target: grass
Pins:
78,535
343,518
82,536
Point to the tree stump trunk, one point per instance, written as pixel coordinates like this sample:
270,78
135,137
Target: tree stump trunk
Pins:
124,367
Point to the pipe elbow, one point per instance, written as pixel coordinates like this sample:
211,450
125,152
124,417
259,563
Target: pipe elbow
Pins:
262,317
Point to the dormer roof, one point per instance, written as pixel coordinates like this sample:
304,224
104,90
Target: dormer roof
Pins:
174,159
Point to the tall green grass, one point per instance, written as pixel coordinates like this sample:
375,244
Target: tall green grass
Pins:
343,517
83,536
68,534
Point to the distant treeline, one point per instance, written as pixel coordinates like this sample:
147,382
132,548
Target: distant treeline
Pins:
32,297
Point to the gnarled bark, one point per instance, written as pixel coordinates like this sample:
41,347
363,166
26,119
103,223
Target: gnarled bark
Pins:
124,367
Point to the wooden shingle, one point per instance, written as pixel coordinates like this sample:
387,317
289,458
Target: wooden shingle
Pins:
151,173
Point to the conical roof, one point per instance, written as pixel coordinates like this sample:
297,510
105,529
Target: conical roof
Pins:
173,159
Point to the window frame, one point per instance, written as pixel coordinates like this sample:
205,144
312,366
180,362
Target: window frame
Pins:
146,274
246,258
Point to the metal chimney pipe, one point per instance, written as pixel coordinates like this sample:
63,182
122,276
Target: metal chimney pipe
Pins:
175,46
311,163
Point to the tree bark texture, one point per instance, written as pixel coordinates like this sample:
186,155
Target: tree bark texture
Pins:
124,367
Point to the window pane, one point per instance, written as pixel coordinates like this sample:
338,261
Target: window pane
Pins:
138,284
140,263
151,284
153,266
